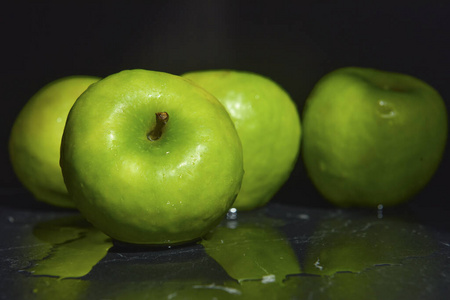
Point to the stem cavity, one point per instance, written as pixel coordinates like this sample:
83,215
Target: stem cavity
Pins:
161,120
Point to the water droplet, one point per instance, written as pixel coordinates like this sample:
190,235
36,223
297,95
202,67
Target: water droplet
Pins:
268,279
233,224
232,214
303,217
380,211
317,265
386,109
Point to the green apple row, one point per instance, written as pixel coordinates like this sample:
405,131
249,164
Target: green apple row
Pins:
151,157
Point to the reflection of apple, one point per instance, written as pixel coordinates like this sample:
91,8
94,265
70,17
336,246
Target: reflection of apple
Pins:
343,244
252,251
364,257
76,247
36,138
44,288
255,256
61,251
372,137
268,125
144,181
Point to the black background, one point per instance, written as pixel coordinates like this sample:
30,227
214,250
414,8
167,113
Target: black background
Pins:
293,43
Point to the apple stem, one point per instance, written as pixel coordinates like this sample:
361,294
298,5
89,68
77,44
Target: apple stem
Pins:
161,120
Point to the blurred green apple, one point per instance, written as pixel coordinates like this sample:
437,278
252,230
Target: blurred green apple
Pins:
35,139
147,181
372,137
268,125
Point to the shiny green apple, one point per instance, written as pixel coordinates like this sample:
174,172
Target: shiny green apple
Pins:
151,180
372,137
35,139
268,125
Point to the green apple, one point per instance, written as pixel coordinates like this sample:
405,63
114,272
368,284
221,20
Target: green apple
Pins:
268,125
372,137
35,139
147,180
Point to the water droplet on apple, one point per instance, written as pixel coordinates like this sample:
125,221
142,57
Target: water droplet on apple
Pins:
386,109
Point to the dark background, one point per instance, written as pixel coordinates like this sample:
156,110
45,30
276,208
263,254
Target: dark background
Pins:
294,44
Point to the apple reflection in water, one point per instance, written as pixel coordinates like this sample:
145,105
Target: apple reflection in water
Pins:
64,250
367,258
247,258
252,251
76,247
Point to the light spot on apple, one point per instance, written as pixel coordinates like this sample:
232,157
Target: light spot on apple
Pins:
239,109
386,109
130,167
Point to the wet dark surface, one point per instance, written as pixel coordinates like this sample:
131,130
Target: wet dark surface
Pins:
280,252
277,252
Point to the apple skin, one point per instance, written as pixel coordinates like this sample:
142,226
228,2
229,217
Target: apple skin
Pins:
268,125
169,191
372,137
35,139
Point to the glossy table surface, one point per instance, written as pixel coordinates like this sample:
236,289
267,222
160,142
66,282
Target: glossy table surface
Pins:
276,252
